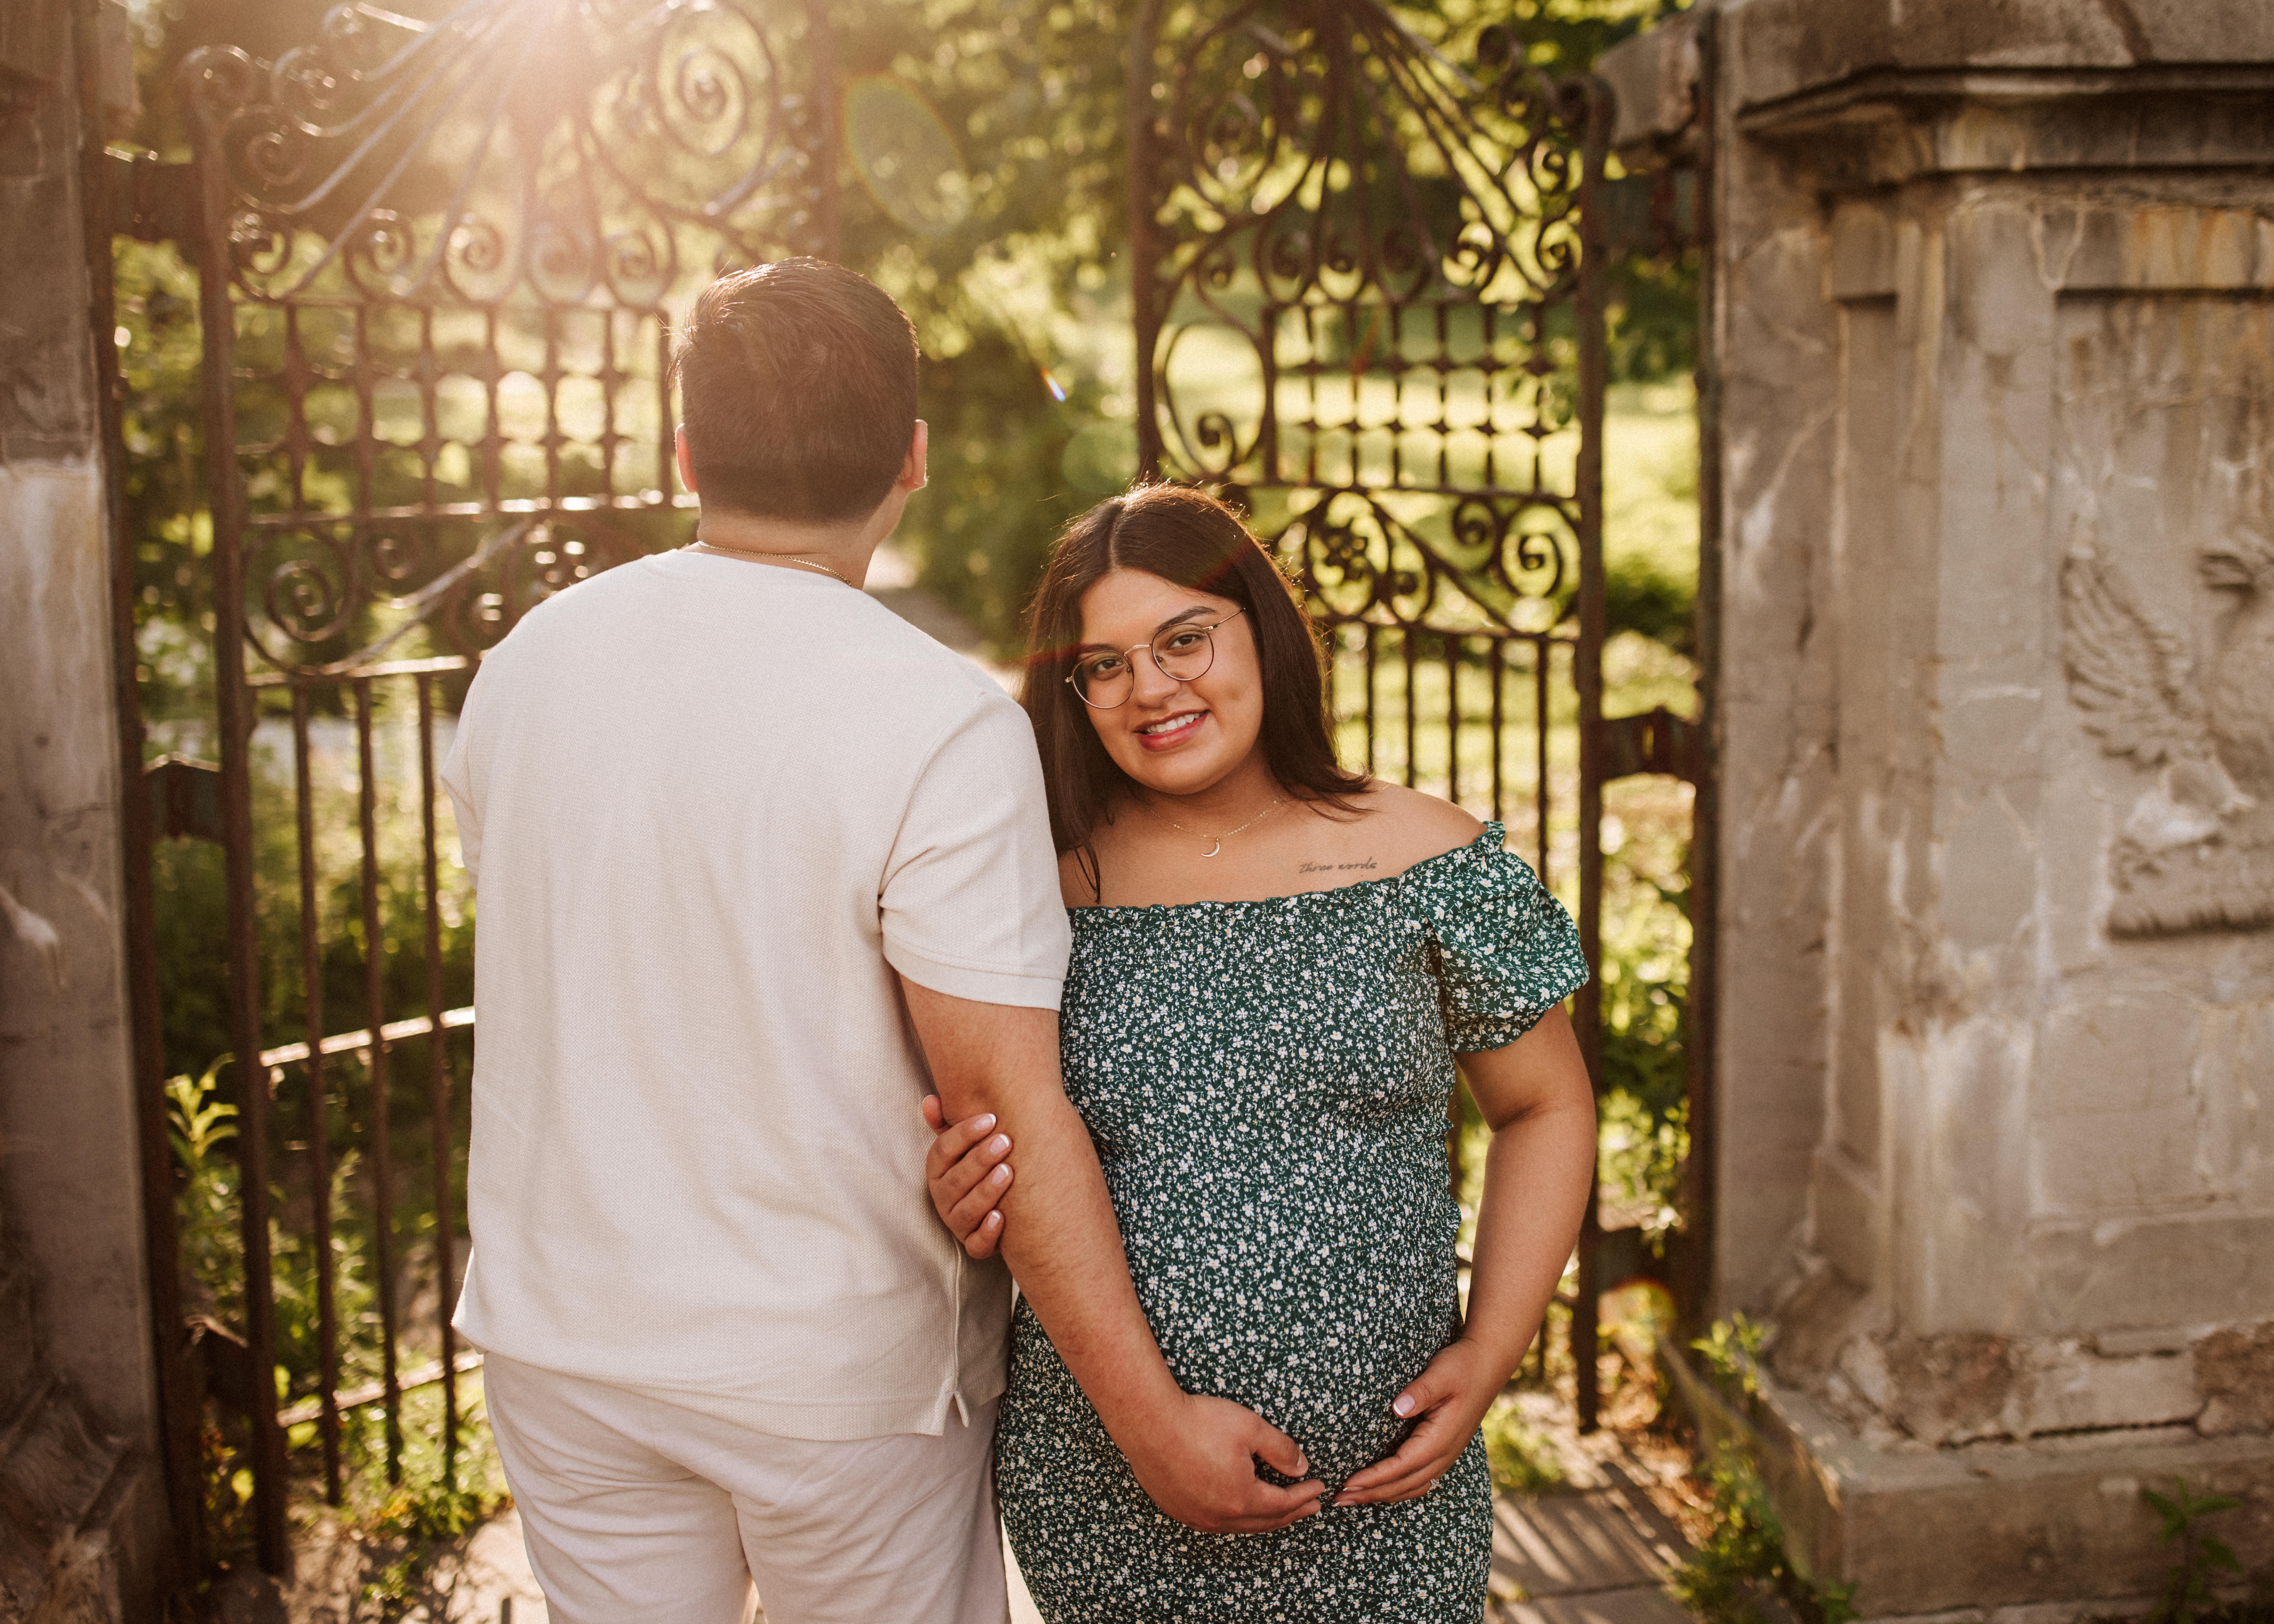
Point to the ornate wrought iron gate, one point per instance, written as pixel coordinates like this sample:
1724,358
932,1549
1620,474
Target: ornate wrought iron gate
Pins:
1369,302
436,261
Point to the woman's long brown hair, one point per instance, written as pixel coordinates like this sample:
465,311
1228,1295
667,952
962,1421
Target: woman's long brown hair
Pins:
1188,538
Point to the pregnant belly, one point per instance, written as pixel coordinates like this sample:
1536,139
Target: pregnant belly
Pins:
1315,1319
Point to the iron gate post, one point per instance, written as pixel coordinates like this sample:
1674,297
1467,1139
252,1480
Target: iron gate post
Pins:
1588,659
1144,168
234,706
1694,1265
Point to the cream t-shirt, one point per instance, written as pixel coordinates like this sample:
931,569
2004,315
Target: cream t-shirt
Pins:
711,806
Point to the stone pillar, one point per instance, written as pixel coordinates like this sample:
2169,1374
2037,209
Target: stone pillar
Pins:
83,1530
1997,1060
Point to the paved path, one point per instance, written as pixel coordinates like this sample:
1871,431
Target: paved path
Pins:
1593,1557
1596,1551
1599,1556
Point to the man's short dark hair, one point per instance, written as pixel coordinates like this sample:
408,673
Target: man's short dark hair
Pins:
798,382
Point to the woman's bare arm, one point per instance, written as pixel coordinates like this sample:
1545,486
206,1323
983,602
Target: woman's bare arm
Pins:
1535,1097
1195,1456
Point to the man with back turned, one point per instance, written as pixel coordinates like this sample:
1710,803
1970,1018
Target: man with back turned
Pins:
758,866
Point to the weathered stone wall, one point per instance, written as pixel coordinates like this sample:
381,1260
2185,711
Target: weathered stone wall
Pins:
82,1522
1996,328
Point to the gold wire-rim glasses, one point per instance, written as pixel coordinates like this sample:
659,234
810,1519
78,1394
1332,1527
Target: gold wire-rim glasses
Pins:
1206,653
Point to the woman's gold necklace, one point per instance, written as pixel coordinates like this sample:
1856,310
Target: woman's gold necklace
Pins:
1277,802
713,546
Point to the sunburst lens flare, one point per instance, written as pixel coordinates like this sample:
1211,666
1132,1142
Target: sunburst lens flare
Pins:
1050,382
905,154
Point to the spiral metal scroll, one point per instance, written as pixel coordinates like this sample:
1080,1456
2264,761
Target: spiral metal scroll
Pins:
1360,560
315,580
574,150
1356,256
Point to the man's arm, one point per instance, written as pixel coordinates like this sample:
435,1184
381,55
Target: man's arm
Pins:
1193,1455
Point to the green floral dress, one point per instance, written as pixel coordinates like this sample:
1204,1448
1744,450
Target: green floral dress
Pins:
1267,1084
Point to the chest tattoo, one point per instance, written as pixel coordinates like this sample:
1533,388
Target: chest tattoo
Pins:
1363,866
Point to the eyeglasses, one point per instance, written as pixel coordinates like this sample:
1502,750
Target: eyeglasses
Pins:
1103,681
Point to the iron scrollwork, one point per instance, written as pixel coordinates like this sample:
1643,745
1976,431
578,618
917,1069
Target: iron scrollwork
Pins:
1356,258
1361,560
319,578
448,247
570,149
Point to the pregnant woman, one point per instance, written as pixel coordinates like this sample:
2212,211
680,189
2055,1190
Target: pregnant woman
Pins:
1276,967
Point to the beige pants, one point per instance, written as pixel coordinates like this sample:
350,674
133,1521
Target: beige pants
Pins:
637,1511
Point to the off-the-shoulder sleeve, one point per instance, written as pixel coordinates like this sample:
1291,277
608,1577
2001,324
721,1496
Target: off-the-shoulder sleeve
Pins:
1507,951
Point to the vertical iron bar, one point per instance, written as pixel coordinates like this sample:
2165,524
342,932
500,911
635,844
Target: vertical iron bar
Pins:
1694,1263
320,1133
367,439
493,428
1144,245
1495,654
1453,644
551,381
297,439
236,713
1267,432
666,446
1406,640
1543,652
438,1087
821,44
382,1160
1371,633
1492,435
430,421
1589,1002
611,438
1445,394
1311,397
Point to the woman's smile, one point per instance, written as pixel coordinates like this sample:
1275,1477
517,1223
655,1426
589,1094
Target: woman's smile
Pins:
1170,730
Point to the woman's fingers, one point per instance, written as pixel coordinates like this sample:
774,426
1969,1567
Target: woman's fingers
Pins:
982,1241
1426,1455
1278,1451
964,1154
969,1214
1280,1508
1284,1509
1198,1466
967,1174
950,1142
1435,1442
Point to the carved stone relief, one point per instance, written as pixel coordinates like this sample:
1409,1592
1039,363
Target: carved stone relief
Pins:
2167,597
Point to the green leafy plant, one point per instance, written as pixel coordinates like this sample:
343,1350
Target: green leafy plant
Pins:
1732,1349
1742,1560
2186,1595
201,1125
1744,1547
1522,1464
405,1530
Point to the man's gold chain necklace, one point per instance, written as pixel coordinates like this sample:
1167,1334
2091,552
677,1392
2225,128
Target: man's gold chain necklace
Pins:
713,546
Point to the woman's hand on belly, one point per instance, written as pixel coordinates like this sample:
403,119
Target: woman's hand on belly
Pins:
1446,1402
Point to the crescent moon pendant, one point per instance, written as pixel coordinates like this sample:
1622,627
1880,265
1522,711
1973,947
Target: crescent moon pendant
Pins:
1212,850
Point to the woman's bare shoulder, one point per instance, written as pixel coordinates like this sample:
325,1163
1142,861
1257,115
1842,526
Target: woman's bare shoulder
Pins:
1409,827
